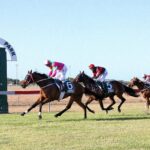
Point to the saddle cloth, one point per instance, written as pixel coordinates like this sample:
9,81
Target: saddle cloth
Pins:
105,86
65,86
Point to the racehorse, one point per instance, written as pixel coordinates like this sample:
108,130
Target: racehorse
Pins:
117,88
50,91
143,87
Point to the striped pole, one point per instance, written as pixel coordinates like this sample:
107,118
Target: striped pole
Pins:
19,92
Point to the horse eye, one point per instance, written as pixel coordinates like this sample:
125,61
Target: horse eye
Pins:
26,78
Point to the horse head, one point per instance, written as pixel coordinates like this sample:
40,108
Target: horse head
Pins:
133,82
82,77
79,77
32,77
27,80
136,82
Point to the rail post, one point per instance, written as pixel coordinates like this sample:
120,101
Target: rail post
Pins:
3,80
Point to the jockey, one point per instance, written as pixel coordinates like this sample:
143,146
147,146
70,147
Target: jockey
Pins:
146,78
57,70
99,73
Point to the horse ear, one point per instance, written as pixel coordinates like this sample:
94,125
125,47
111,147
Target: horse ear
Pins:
30,71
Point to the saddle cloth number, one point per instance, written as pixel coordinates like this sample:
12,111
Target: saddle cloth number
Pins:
109,87
70,87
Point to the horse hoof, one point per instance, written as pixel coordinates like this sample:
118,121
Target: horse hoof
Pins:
93,111
22,114
111,108
119,110
40,117
56,115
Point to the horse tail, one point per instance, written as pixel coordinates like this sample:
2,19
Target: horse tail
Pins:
130,91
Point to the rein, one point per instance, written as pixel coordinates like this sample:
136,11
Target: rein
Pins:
88,82
31,79
48,85
41,80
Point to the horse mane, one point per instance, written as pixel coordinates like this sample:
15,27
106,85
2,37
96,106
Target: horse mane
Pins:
41,74
136,78
89,78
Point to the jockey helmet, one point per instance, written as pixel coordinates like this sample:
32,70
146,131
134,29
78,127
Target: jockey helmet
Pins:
144,76
91,66
47,62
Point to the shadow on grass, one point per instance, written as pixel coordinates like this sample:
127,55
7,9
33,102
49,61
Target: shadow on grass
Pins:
121,118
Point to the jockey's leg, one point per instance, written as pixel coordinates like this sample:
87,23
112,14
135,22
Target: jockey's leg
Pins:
103,76
58,76
100,84
64,71
61,78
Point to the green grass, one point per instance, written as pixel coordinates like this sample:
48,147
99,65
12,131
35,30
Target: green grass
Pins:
129,130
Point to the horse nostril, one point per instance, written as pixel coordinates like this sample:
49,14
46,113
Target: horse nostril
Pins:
23,85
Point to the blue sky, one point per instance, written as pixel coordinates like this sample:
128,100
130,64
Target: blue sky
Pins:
110,33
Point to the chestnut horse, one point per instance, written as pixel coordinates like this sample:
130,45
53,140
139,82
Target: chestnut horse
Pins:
143,87
118,89
50,91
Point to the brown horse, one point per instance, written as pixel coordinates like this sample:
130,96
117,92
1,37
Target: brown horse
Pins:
50,91
117,88
143,87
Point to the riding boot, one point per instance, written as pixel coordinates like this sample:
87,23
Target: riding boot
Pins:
64,89
100,85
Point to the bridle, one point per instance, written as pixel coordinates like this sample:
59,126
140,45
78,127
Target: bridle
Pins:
32,80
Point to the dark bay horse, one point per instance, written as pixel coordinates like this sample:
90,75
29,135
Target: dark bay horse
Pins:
143,87
50,91
117,88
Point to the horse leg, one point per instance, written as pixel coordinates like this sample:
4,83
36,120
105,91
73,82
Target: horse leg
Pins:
40,108
32,106
90,99
102,105
122,101
147,103
112,103
78,101
67,107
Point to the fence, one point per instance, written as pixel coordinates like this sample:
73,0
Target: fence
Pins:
20,99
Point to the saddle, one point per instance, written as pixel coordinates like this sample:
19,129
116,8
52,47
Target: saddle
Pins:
96,88
147,85
106,87
65,86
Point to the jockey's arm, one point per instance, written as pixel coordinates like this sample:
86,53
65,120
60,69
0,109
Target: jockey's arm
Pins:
50,73
53,72
94,76
98,74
